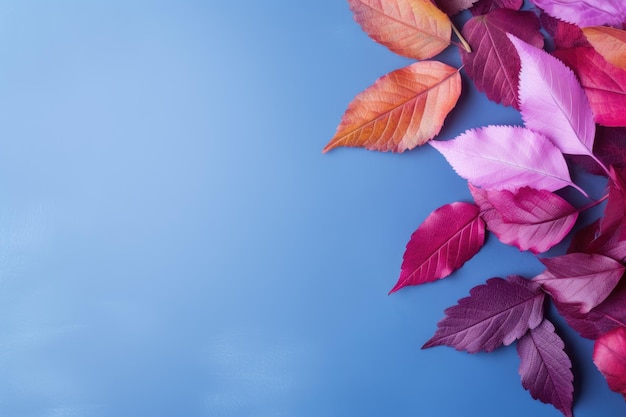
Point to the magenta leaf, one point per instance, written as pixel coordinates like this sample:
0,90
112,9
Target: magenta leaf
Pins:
452,7
565,35
528,219
552,101
608,315
493,64
609,355
586,13
545,368
485,6
506,158
580,278
495,314
448,238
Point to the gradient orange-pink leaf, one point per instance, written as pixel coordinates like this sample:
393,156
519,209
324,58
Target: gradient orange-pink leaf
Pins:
609,42
412,28
401,110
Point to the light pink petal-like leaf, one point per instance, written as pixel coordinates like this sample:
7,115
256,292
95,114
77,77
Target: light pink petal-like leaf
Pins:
528,219
580,278
448,238
604,84
495,314
452,7
552,101
609,355
608,315
506,158
485,6
587,12
545,368
493,64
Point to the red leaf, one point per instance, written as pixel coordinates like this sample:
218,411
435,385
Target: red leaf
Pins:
565,35
580,278
545,368
402,110
496,313
528,219
493,64
448,238
412,28
604,84
609,42
485,6
452,7
609,355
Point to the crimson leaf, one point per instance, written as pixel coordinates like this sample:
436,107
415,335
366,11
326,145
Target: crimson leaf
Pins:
609,355
485,6
495,314
452,7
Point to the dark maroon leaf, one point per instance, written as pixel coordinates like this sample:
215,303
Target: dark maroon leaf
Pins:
545,368
609,147
493,64
447,239
609,355
565,35
496,313
452,7
485,6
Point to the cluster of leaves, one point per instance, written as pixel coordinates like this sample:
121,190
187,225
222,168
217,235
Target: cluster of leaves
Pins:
573,104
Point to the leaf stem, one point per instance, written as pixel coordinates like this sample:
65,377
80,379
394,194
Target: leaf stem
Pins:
461,38
593,203
604,168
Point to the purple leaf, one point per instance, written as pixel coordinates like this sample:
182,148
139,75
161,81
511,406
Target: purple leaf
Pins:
448,238
586,13
552,101
580,278
506,158
493,64
545,368
452,7
496,313
528,219
485,6
609,355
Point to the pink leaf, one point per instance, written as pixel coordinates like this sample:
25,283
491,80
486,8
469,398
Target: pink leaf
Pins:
587,12
552,101
448,238
452,7
545,368
580,278
609,355
528,219
485,6
493,64
506,158
604,84
496,313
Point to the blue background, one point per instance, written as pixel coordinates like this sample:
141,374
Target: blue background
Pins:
174,243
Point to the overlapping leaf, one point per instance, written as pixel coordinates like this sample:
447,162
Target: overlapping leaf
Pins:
528,219
587,12
452,7
448,238
564,35
412,28
604,84
552,101
545,368
402,110
609,147
609,355
609,42
493,64
580,278
485,6
506,158
495,314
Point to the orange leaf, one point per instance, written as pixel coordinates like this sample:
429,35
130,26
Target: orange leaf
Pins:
412,28
609,42
402,110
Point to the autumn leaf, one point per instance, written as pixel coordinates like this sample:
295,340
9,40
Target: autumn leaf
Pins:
485,6
528,219
412,28
564,35
402,110
449,237
495,314
452,7
609,147
506,158
609,355
604,83
493,64
580,278
609,42
545,368
587,12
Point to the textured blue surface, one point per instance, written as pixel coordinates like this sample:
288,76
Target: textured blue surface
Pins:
173,242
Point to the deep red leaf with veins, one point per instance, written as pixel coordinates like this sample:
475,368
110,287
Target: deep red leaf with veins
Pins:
495,314
452,7
580,278
528,219
565,35
447,239
493,64
545,368
609,355
485,6
604,84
